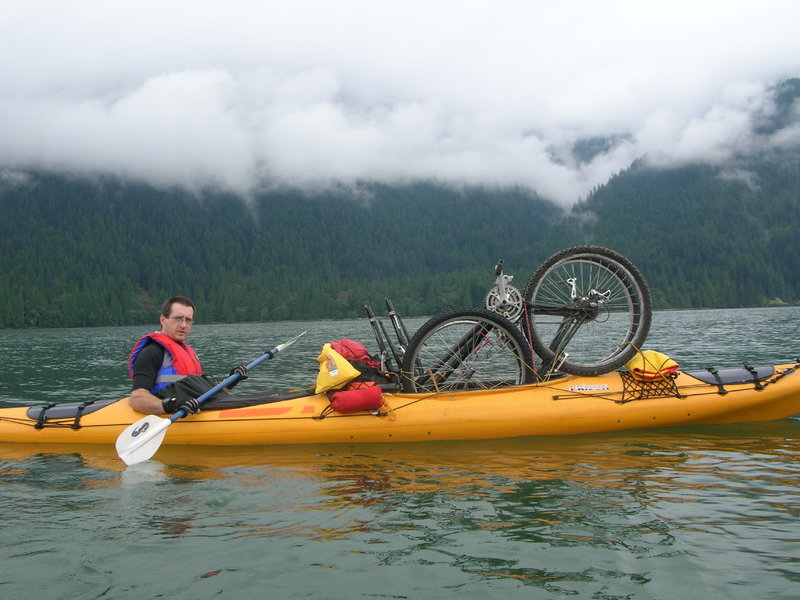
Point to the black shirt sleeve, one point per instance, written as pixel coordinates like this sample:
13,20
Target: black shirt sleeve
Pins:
146,366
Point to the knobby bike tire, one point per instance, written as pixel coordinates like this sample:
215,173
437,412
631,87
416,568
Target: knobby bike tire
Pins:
606,336
463,349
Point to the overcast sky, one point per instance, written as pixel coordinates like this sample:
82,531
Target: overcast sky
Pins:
235,92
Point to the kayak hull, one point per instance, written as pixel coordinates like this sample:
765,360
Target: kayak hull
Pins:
567,406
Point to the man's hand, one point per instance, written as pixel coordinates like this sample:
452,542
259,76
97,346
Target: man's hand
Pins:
242,371
189,405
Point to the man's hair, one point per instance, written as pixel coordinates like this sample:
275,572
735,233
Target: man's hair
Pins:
166,308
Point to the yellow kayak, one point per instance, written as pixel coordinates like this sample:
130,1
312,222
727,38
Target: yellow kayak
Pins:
564,406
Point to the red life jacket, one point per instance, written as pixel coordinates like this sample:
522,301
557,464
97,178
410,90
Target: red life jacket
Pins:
180,360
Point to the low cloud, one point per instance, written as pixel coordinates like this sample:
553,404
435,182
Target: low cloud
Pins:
196,94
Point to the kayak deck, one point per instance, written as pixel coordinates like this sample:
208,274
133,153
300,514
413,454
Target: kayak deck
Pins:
570,405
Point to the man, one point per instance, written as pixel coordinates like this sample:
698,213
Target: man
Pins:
166,373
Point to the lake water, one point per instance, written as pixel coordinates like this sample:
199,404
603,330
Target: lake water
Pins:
682,513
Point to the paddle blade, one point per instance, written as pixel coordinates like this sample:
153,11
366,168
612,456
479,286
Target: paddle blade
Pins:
142,439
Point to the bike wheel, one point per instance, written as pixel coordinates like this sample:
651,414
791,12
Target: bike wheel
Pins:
466,349
590,304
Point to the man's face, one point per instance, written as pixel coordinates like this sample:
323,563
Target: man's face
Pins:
179,322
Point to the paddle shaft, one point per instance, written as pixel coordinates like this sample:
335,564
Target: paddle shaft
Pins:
180,413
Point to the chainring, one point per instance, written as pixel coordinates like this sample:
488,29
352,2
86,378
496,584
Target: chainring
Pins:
511,309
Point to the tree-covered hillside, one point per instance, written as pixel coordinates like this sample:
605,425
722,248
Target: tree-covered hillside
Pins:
78,252
710,236
705,236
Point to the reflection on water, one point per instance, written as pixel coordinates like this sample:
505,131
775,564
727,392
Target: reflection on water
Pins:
612,515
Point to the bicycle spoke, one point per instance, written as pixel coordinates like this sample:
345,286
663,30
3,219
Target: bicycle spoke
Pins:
466,349
590,303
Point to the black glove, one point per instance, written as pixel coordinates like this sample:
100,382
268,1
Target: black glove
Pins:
173,405
242,371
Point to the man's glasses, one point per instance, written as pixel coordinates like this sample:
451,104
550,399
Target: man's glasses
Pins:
187,320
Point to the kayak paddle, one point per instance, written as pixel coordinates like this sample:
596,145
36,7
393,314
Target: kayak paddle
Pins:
142,439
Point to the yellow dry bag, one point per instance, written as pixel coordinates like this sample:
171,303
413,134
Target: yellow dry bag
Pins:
647,365
334,370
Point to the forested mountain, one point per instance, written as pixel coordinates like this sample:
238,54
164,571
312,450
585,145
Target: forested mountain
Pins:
78,252
103,251
703,239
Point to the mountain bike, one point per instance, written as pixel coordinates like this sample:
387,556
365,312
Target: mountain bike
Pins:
585,311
